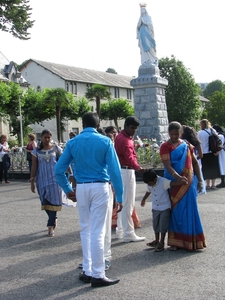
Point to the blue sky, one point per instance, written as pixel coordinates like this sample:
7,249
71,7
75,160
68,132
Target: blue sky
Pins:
98,34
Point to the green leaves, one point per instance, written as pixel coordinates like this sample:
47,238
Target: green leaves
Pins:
97,92
182,97
216,108
116,109
216,85
15,18
39,106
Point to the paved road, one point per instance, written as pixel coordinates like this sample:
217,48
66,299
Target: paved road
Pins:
34,266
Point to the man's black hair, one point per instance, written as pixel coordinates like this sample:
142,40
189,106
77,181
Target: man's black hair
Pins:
90,119
132,120
149,175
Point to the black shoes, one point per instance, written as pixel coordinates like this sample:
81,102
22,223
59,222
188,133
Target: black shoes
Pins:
99,282
83,277
221,185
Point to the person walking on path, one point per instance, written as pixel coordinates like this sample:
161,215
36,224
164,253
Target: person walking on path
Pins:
95,163
4,158
124,146
221,134
44,159
29,148
210,162
185,229
158,187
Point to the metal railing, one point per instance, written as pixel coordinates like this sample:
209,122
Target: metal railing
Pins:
18,162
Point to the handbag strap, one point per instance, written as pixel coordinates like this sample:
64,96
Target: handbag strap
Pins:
208,132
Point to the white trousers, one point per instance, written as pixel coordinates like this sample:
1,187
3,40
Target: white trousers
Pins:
92,203
108,227
125,223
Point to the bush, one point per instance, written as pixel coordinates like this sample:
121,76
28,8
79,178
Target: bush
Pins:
12,143
147,151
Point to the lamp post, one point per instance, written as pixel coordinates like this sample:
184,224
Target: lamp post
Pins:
18,76
21,124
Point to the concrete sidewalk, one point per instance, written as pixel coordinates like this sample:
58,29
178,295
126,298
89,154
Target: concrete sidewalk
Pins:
34,266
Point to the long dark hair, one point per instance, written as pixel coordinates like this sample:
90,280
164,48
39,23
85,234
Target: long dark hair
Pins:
45,131
190,135
218,129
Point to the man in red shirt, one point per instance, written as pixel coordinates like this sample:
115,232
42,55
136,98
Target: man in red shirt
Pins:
124,146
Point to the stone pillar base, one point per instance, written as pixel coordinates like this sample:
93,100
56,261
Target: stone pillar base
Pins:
150,103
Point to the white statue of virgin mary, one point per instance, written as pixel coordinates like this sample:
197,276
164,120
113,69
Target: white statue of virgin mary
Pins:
145,36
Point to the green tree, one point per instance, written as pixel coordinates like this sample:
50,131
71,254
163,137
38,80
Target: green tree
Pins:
35,108
182,96
56,100
97,92
216,85
10,100
79,107
116,110
111,70
4,98
15,18
11,97
216,108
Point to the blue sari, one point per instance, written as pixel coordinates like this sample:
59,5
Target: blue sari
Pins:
185,229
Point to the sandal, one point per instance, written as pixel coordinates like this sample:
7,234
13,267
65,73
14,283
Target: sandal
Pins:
152,244
208,187
51,234
213,187
159,247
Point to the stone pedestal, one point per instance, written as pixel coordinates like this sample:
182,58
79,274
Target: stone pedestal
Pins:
150,103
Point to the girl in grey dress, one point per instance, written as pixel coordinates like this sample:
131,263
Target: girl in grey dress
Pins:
44,159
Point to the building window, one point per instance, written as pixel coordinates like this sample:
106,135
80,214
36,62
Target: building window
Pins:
116,92
129,94
75,88
71,87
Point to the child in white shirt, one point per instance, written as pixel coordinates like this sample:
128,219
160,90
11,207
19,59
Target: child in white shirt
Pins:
161,206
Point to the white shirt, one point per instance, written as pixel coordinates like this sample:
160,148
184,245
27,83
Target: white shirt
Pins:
2,152
160,194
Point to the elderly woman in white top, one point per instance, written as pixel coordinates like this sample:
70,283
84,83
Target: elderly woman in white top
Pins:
210,164
221,135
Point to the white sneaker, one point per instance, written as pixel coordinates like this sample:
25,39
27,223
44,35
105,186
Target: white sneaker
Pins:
133,238
119,233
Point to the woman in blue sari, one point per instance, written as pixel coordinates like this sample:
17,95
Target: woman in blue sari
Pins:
185,229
